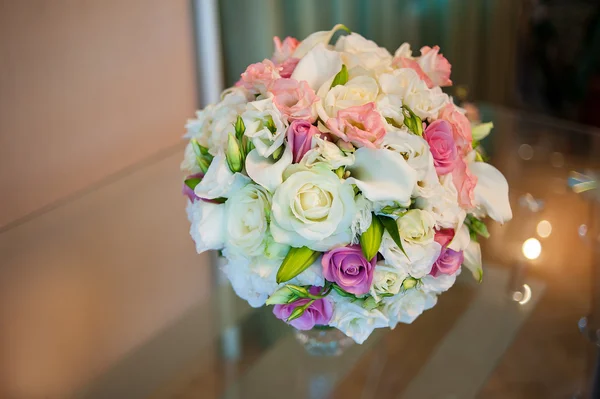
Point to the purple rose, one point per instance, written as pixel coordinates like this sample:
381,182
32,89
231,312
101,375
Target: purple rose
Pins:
299,136
319,312
348,267
448,262
443,148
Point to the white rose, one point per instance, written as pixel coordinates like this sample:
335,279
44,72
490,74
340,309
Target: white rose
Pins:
265,126
189,164
247,220
387,280
213,124
439,284
357,91
444,204
252,279
363,217
327,153
313,208
413,148
407,307
417,227
220,181
357,51
403,86
355,321
207,224
427,103
403,51
418,259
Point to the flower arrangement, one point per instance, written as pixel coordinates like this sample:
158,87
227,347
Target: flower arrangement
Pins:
341,184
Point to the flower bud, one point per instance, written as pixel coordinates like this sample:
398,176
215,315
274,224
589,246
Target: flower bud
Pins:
370,240
409,283
281,296
233,155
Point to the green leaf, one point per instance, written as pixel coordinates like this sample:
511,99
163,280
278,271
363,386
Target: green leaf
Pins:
370,303
234,155
391,227
196,147
192,182
281,296
393,122
203,163
240,128
341,78
341,292
278,153
296,261
370,240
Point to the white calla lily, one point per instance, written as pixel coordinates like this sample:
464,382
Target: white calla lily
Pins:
220,181
318,66
265,171
322,37
491,192
382,175
472,260
461,239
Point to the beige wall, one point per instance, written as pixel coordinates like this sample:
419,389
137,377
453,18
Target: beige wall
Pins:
86,89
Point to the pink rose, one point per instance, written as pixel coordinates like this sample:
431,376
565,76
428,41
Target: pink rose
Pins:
318,313
444,236
465,183
285,49
288,66
436,66
443,148
294,99
404,62
299,137
260,76
448,262
461,128
360,125
348,268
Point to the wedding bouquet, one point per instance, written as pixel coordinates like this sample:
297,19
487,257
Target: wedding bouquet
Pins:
341,184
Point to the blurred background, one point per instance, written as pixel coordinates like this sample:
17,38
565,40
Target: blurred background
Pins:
92,89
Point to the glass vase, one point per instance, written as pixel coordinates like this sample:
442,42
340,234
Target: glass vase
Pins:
323,341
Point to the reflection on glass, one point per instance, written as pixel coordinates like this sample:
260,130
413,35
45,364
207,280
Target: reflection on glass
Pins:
522,297
532,248
557,159
525,152
544,228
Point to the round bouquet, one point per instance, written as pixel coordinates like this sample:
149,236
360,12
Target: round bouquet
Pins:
341,184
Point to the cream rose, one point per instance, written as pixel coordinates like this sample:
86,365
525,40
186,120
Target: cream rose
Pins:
387,280
357,91
248,211
354,320
417,227
313,208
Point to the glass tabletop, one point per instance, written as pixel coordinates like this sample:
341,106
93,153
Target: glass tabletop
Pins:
103,296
